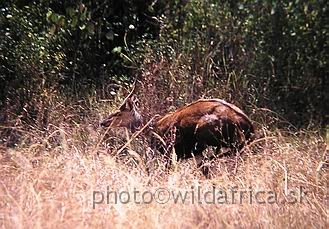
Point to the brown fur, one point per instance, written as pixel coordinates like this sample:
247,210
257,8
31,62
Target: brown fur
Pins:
205,122
127,116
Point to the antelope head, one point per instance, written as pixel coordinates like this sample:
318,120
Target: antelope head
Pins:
127,115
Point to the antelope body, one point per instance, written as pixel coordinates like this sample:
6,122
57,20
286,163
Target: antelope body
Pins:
205,122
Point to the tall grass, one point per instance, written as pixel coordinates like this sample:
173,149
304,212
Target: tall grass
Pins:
57,180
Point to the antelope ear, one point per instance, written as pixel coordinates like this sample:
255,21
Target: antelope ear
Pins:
134,100
130,104
126,105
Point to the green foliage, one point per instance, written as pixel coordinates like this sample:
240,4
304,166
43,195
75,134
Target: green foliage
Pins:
54,49
29,62
270,53
289,57
262,53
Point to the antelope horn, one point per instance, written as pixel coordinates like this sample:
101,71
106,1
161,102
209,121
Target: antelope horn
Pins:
122,106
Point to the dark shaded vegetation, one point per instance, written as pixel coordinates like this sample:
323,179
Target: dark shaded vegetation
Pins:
258,54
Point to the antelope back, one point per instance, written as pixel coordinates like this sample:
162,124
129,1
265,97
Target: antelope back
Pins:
208,122
127,116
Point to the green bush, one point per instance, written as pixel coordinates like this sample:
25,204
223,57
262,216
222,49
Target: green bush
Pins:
256,54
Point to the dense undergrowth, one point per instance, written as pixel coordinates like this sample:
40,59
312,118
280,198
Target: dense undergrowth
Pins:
65,65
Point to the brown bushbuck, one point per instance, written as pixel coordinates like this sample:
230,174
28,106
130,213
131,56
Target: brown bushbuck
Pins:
205,122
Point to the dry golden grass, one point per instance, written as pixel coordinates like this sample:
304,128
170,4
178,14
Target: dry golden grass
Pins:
52,183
